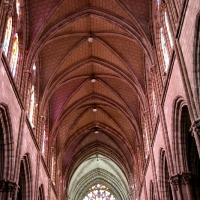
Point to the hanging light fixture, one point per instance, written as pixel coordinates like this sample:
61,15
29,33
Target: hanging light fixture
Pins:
94,109
93,80
90,39
96,131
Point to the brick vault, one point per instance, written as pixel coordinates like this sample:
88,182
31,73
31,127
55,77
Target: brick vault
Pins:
100,100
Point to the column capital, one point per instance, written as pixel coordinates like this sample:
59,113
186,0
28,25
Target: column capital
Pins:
8,186
174,179
195,127
2,185
186,177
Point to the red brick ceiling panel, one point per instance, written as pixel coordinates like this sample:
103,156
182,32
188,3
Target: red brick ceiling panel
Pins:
82,92
124,123
100,143
89,70
100,116
102,70
95,91
65,9
60,96
69,7
99,25
131,52
141,11
65,127
38,11
100,137
127,94
81,25
110,6
100,50
89,24
52,55
81,52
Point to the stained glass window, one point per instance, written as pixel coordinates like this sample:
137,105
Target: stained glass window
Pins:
18,7
164,49
32,103
7,35
157,4
44,140
146,142
99,192
154,103
14,55
168,29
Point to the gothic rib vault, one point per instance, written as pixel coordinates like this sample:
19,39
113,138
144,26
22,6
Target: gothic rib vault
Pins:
115,58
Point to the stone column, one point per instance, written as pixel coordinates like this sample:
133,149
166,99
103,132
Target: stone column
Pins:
195,129
175,183
186,179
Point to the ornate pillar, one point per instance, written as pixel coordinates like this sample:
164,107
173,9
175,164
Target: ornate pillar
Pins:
6,12
186,180
195,129
7,189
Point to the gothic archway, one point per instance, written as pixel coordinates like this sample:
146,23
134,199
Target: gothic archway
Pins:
165,187
6,143
151,191
41,193
7,184
197,60
186,158
190,154
25,180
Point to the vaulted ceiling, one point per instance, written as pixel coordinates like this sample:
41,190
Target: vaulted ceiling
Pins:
116,58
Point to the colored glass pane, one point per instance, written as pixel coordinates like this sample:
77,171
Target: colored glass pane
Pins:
146,142
32,105
157,4
168,29
164,49
18,7
154,103
99,192
14,56
7,35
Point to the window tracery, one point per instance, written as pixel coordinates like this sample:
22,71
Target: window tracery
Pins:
146,142
32,99
44,139
32,105
14,55
157,5
7,36
168,29
154,103
99,192
164,49
18,7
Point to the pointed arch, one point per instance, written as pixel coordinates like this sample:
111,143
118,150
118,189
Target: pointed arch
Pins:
186,157
151,191
196,53
25,179
6,143
41,195
165,188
